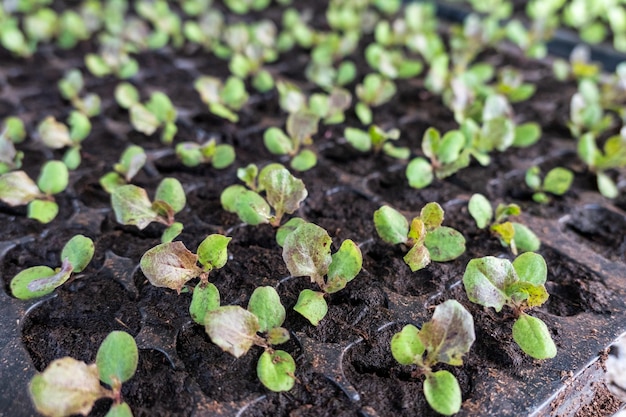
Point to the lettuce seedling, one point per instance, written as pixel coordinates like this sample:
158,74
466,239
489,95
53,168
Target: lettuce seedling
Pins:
38,281
495,282
512,234
235,330
444,339
133,207
69,386
18,189
301,126
612,156
307,252
71,87
114,56
376,140
427,239
283,193
193,154
375,91
557,182
57,135
10,158
223,99
131,161
172,265
329,108
392,63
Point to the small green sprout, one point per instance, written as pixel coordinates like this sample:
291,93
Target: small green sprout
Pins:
300,128
18,189
495,282
69,386
223,99
427,239
193,154
512,234
13,39
38,281
172,265
10,158
133,207
392,63
307,252
283,193
114,57
557,182
444,339
71,86
375,91
13,129
611,156
57,135
375,139
131,161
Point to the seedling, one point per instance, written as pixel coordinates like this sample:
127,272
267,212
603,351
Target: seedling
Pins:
10,158
18,189
496,282
375,91
57,135
235,330
427,239
114,57
133,207
512,234
557,182
375,139
223,99
444,339
307,252
392,63
301,126
193,154
612,155
71,87
13,129
283,193
37,281
130,163
69,386
172,265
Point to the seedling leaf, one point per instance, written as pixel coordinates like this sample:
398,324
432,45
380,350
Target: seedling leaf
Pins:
480,209
252,208
443,393
391,225
38,281
417,257
284,192
444,244
558,180
205,298
533,336
306,252
525,239
312,306
232,328
419,172
117,358
485,280
277,142
276,370
531,267
43,211
119,410
132,206
169,265
170,190
266,306
78,251
432,216
212,251
17,189
304,160
346,264
287,228
171,232
53,178
406,345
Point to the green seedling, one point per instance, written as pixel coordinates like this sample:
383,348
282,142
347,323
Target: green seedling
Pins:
57,135
193,154
245,6
283,193
71,87
329,108
12,133
444,339
133,207
157,113
172,265
206,30
375,139
392,63
18,189
557,182
329,75
13,129
511,234
12,38
375,91
611,156
300,128
495,282
114,57
68,386
235,330
166,23
307,252
223,99
130,163
587,112
37,281
427,239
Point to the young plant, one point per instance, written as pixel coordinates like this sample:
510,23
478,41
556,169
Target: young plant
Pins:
38,281
427,239
375,139
57,135
557,182
375,91
130,163
307,252
444,339
18,189
496,282
301,126
68,386
133,207
512,234
235,330
283,193
223,99
193,154
599,161
13,132
172,265
114,57
71,87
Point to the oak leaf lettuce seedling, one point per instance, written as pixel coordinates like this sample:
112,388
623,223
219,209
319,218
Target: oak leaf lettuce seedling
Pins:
193,154
301,126
377,140
223,99
131,161
444,339
57,135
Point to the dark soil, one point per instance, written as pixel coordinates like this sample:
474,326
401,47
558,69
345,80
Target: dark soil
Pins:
344,365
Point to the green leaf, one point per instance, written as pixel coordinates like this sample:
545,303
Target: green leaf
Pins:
532,178
132,206
37,281
406,345
131,162
450,146
558,180
419,172
17,189
143,120
126,95
304,160
71,158
277,335
110,181
480,209
531,267
232,328
252,208
169,265
312,306
66,387
443,393
171,191
346,264
53,178
224,156
286,229
358,138
391,225
276,370
212,251
533,336
78,251
119,410
171,232
266,306
205,298
486,279
306,252
301,125
432,215
284,192
533,295
525,239
54,134
607,186
80,126
42,210
117,358
526,134
444,244
417,257
277,142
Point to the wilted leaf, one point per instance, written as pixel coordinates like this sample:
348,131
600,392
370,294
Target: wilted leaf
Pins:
117,358
233,329
170,265
54,134
432,216
143,120
417,257
284,192
287,228
276,370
